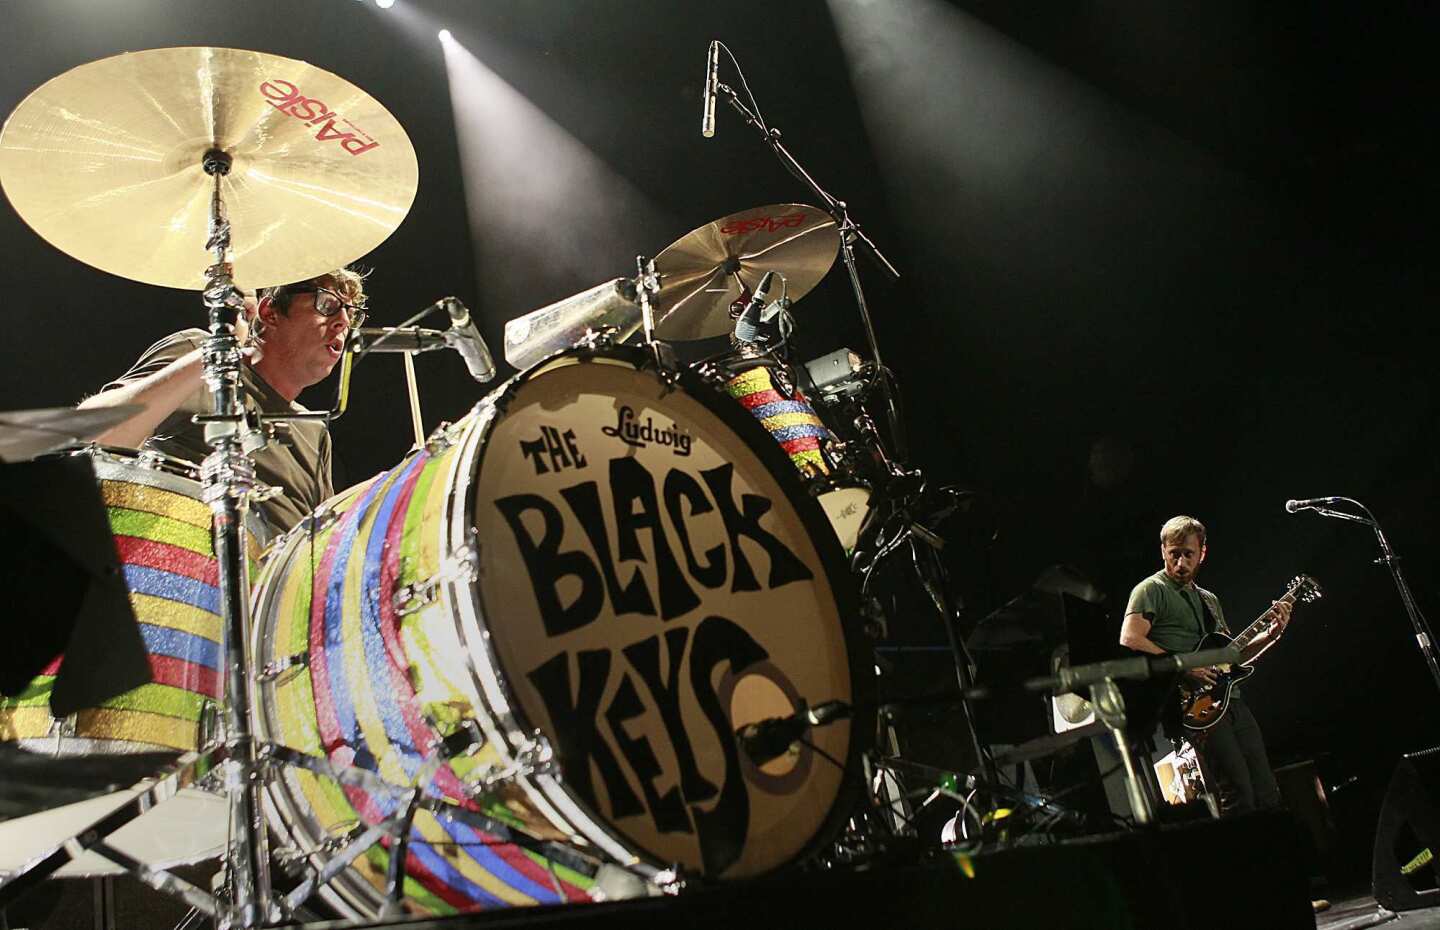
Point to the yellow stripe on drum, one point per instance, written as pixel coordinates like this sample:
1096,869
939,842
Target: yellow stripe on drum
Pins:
27,722
782,420
146,499
432,831
173,615
137,727
294,695
748,382
434,672
138,523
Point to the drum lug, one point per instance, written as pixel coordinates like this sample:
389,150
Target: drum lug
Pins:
441,438
601,338
664,362
209,723
463,566
536,757
712,375
671,880
224,474
273,670
316,521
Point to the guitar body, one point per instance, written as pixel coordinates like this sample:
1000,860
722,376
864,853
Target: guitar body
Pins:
1202,708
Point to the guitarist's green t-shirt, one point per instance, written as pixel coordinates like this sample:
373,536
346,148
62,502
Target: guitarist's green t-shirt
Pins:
1177,615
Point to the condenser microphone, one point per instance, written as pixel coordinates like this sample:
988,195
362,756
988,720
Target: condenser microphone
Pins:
1310,503
463,337
712,81
747,325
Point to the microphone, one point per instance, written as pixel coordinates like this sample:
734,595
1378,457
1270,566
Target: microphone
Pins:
1310,503
770,738
747,325
463,337
712,78
398,339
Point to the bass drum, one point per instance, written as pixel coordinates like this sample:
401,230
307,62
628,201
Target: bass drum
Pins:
605,572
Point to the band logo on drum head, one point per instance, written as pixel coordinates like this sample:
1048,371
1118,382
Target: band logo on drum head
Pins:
553,451
652,604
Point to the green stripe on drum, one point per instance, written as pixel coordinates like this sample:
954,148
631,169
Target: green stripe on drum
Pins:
36,694
165,700
163,529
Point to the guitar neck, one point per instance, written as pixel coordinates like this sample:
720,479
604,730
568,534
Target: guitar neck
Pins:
1253,631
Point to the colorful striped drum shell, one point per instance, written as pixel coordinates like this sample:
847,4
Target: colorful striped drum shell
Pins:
381,688
162,536
791,421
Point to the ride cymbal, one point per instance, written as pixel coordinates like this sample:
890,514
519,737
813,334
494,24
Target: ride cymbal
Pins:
104,162
705,271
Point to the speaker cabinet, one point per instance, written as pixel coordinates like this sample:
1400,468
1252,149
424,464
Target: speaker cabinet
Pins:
1406,873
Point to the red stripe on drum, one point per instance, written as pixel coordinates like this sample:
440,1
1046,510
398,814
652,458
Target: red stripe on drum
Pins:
187,675
170,558
803,444
760,398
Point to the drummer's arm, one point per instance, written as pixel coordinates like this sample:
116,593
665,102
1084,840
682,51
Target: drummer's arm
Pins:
160,393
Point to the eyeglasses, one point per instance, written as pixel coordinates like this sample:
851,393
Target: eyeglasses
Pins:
328,303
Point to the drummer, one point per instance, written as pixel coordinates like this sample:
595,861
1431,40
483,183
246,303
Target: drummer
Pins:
292,338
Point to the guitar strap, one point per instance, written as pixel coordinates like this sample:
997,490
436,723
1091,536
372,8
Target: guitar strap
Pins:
1211,605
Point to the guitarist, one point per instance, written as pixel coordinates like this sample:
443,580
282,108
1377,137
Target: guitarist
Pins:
1169,613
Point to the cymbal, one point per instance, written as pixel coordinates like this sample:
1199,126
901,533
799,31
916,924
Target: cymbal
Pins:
25,434
104,162
705,271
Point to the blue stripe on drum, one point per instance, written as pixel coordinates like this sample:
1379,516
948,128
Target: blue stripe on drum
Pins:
177,644
788,433
762,411
172,587
382,672
343,543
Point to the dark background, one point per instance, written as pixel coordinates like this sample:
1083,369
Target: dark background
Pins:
1158,257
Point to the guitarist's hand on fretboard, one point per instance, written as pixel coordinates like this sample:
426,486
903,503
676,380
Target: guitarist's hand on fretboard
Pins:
1278,618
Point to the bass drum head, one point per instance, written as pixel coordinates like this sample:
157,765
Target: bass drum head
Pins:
652,577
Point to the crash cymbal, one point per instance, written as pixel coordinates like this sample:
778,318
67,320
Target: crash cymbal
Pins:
104,162
704,272
25,434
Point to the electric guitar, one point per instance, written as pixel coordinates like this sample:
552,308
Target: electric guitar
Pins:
1202,707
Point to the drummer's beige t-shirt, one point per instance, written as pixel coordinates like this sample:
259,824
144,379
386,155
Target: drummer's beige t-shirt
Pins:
296,459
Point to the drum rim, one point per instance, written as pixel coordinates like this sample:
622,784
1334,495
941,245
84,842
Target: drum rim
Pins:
813,520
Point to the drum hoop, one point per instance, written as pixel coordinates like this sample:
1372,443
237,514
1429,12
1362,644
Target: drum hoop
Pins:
556,791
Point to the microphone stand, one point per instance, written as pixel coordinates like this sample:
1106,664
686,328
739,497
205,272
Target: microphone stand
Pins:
850,233
1424,638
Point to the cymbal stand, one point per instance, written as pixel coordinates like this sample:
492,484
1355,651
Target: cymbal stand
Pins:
227,477
647,284
850,233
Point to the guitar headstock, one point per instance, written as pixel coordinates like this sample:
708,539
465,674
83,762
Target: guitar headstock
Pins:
1304,588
